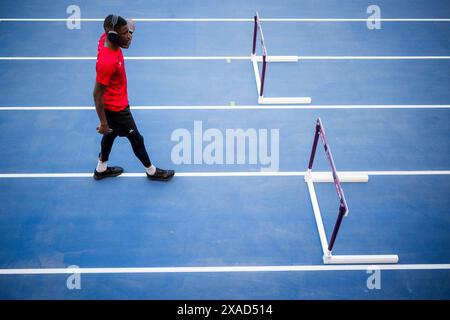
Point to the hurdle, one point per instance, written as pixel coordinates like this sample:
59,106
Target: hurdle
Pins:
260,81
336,178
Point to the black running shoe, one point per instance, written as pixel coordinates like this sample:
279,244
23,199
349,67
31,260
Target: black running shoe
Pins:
109,172
162,175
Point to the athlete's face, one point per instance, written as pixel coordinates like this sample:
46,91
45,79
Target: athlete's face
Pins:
124,36
131,28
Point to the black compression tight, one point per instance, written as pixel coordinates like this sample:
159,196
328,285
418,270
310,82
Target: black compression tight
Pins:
137,143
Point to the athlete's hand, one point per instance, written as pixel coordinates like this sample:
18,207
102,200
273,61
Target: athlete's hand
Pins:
104,128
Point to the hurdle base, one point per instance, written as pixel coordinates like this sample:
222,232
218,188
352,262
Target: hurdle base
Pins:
277,58
360,259
284,100
321,177
281,100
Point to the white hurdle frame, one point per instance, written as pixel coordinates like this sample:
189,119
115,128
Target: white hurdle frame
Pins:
264,59
310,178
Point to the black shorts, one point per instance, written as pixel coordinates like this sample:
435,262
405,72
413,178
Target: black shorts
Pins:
121,122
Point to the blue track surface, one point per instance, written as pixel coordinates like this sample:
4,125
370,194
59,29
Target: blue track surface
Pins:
235,221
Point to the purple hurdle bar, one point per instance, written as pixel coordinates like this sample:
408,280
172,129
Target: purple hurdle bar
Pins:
343,208
257,26
255,31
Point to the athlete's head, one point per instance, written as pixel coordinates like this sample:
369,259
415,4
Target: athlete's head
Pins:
117,29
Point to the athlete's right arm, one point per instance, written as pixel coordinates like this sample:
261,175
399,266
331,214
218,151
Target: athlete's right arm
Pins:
99,90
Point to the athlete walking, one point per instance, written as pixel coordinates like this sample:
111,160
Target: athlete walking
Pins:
111,101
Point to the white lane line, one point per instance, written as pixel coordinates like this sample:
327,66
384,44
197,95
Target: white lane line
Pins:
293,268
158,58
405,173
373,57
243,107
133,58
226,174
47,58
231,19
44,108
